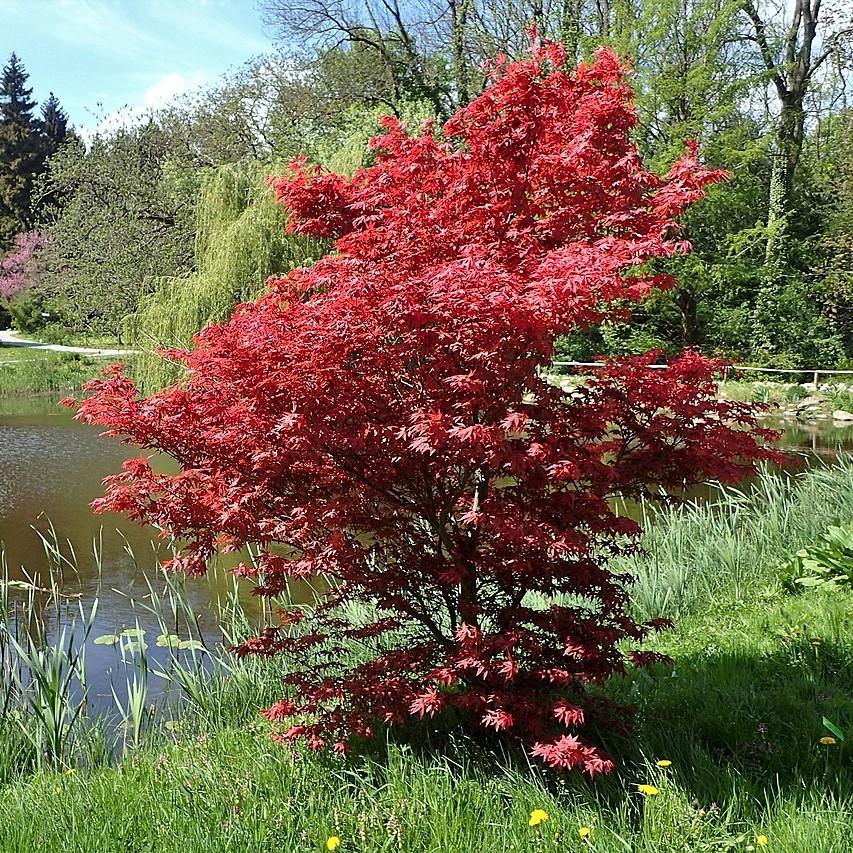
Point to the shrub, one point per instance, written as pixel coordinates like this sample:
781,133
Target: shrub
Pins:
828,562
19,267
384,415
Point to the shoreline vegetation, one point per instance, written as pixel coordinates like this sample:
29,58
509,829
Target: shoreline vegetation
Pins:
733,742
31,371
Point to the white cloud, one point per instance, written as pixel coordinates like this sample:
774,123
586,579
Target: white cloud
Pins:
168,87
158,95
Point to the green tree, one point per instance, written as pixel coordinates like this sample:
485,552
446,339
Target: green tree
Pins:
793,52
127,216
423,52
54,123
240,241
21,151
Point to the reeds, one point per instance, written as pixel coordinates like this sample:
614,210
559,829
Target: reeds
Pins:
734,539
46,630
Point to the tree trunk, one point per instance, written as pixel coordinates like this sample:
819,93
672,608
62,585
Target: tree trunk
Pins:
788,146
459,10
687,304
570,29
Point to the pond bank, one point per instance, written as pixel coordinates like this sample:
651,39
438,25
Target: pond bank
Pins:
32,372
789,401
29,368
12,338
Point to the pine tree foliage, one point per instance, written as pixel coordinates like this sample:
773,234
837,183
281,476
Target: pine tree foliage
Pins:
54,122
21,150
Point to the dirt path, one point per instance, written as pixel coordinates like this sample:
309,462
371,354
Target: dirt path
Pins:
13,339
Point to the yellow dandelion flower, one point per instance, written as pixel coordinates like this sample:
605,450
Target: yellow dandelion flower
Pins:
762,841
648,790
828,741
537,816
333,842
664,762
584,832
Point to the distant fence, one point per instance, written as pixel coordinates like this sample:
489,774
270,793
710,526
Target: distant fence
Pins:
732,368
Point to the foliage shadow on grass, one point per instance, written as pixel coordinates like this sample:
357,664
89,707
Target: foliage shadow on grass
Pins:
736,722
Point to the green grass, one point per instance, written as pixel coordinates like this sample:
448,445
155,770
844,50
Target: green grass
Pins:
25,371
739,714
731,545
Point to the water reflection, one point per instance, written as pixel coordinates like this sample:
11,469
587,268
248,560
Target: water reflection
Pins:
51,468
825,438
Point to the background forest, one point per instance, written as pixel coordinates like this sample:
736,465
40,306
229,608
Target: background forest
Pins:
146,232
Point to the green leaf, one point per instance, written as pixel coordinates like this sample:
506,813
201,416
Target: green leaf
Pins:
106,640
171,641
195,645
833,729
133,632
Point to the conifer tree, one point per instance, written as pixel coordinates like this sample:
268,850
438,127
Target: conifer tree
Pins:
54,121
21,151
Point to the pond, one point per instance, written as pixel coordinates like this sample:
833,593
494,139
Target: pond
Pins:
51,468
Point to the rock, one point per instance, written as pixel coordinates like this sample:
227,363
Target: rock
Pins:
809,403
841,415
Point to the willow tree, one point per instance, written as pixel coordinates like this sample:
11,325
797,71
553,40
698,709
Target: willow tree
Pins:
240,241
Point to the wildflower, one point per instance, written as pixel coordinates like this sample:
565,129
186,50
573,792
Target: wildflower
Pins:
648,790
584,832
333,842
537,816
828,741
664,762
762,841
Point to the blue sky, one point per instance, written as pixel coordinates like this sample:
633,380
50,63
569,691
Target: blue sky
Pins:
127,53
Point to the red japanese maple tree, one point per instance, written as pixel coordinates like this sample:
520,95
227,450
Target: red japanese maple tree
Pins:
383,414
